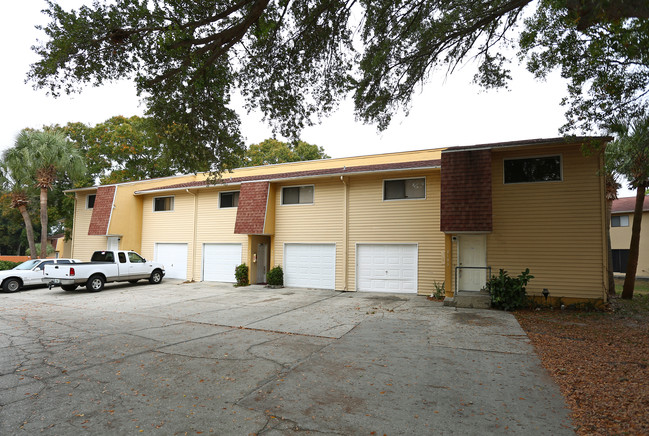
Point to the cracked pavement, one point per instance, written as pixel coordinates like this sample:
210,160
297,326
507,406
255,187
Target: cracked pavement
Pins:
201,358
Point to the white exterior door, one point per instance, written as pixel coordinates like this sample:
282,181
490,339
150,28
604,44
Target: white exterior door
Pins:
219,262
386,268
472,254
112,243
310,266
174,258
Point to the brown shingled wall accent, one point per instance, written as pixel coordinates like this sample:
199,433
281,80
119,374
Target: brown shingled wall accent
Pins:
102,210
466,192
251,212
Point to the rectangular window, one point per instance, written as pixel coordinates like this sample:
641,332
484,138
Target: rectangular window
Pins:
297,195
533,169
229,199
404,189
620,221
162,204
122,257
90,201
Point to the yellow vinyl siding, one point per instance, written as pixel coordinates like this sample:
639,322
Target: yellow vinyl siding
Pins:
169,227
621,239
320,222
372,220
215,226
553,228
84,245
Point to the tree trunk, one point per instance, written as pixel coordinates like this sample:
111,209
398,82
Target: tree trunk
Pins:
29,229
44,231
634,249
611,277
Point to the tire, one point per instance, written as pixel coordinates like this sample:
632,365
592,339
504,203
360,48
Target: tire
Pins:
95,283
132,282
156,277
11,285
69,288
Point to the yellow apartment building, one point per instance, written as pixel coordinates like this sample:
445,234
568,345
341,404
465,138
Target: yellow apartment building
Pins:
396,222
621,224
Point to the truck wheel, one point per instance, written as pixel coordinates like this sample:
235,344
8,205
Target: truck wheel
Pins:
95,283
11,285
156,277
68,287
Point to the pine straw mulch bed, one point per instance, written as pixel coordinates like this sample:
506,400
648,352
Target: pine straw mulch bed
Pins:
600,360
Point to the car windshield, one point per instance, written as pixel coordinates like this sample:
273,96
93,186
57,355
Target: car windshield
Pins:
28,264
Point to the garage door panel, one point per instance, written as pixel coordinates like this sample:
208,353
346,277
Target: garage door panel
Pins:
174,258
310,265
220,261
387,267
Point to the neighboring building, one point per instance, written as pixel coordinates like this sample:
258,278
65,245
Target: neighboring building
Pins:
396,222
621,223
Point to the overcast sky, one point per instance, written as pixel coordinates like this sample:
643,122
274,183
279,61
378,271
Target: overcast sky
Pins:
449,111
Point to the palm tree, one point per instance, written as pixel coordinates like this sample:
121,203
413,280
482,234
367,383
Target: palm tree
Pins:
46,155
628,155
14,180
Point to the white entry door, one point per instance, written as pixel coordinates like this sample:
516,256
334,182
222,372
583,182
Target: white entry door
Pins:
386,267
472,256
174,258
219,262
310,265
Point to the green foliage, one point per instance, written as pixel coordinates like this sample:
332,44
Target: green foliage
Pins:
295,61
6,264
275,277
49,250
628,155
241,274
272,151
125,149
508,293
440,290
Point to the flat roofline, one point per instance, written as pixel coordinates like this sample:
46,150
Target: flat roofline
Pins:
563,140
205,185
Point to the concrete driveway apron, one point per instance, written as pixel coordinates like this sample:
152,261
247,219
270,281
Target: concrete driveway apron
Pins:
208,358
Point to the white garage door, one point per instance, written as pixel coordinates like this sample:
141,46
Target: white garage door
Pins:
219,262
310,266
174,258
386,267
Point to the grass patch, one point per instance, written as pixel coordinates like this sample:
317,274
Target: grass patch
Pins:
641,286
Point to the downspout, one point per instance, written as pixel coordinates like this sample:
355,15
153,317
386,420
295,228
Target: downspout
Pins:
74,227
194,233
345,235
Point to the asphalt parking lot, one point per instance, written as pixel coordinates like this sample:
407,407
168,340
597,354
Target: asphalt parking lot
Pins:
208,358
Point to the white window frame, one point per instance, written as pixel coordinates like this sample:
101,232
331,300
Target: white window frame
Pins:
88,201
535,157
406,198
173,204
622,218
229,192
297,204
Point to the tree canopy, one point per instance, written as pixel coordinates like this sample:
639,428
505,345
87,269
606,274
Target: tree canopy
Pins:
296,60
124,149
272,151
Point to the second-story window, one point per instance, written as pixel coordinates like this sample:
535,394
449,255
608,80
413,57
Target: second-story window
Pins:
163,204
90,201
404,189
620,221
229,199
297,194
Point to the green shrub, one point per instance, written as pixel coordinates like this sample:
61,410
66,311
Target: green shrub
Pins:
440,290
508,293
275,277
7,264
241,274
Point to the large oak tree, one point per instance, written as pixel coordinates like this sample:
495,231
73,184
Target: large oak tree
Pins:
296,59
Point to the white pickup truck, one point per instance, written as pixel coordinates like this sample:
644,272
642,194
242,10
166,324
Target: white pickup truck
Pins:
104,266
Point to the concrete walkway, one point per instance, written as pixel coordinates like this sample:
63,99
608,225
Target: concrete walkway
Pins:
205,358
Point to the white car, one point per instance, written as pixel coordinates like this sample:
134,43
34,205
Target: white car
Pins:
29,273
